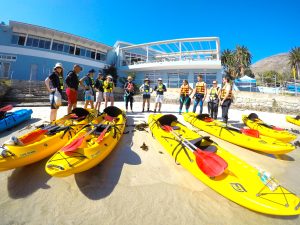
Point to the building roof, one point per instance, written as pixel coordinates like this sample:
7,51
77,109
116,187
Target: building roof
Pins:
40,31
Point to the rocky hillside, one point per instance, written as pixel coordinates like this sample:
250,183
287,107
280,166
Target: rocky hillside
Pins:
278,63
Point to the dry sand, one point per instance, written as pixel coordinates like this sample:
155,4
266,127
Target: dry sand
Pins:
133,186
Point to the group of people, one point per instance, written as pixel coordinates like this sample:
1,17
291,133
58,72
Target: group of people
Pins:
216,97
103,89
93,90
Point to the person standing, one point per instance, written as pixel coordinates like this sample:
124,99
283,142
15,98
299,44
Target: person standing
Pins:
145,88
87,84
72,82
160,88
226,98
184,98
199,94
108,86
54,84
213,102
129,92
99,91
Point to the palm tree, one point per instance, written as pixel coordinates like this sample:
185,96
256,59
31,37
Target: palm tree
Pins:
243,59
294,60
228,62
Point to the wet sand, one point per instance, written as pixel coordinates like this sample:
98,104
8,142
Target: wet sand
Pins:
133,186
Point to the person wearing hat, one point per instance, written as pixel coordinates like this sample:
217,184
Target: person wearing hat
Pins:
160,88
54,84
108,86
200,92
184,98
213,102
87,84
129,92
145,88
99,91
72,82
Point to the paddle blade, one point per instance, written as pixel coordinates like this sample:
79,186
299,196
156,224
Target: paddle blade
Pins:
277,128
208,119
101,136
73,145
33,136
6,108
167,128
210,163
250,132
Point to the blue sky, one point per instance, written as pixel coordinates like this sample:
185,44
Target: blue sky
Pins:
265,27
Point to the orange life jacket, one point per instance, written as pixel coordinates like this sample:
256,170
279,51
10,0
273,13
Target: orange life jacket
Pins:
200,87
224,92
185,90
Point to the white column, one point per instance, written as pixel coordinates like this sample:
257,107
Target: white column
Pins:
218,49
180,51
26,39
51,43
147,49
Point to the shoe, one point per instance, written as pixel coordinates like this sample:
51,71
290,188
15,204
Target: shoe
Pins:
154,110
148,110
143,110
131,111
159,111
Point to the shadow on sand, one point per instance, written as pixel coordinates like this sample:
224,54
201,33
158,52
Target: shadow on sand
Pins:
26,180
101,180
19,127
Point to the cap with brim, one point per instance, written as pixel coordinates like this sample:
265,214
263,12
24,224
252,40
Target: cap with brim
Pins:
214,82
109,77
159,79
76,65
92,71
146,79
58,65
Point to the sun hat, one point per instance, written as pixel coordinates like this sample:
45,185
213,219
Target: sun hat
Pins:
214,82
146,79
58,65
109,76
159,79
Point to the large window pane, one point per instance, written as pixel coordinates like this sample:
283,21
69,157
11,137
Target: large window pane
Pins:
102,56
41,44
60,47
88,53
93,54
82,51
77,51
72,49
21,40
66,48
98,56
29,41
35,42
47,44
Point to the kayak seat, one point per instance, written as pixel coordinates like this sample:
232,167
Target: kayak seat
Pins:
209,148
202,116
167,119
253,116
99,129
297,117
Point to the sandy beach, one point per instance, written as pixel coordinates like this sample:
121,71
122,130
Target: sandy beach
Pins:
133,186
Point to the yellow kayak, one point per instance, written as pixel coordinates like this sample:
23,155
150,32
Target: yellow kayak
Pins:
43,142
294,120
236,136
253,122
241,183
90,151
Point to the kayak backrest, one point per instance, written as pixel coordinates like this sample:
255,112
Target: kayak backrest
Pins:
297,117
253,116
112,111
202,116
167,119
250,132
80,112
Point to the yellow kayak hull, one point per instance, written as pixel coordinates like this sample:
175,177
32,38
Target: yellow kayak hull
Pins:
219,129
43,146
239,183
90,153
281,135
292,120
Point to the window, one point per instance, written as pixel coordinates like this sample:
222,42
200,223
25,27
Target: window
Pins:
82,52
47,44
66,48
57,46
93,54
29,41
72,49
98,56
21,40
88,53
35,42
102,56
60,47
41,44
173,80
77,51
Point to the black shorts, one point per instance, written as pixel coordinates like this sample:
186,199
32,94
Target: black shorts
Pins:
145,96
